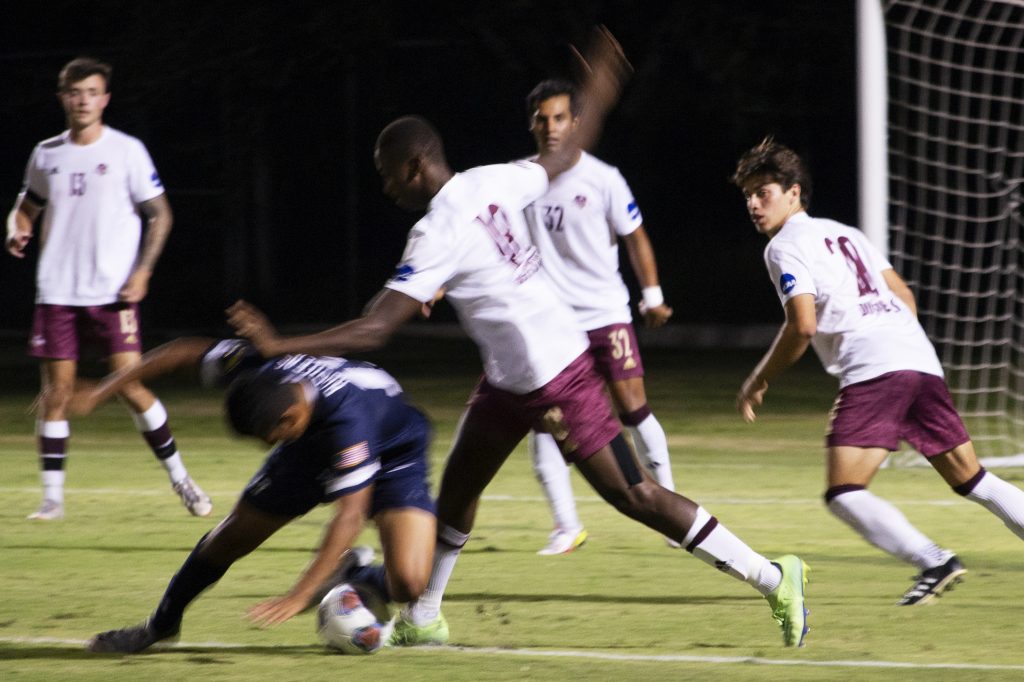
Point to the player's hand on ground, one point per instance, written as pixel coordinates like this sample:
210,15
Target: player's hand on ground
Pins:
136,288
251,324
656,316
276,611
751,395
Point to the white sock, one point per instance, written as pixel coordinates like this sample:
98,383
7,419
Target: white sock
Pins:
53,485
652,447
726,552
885,527
53,479
1003,499
176,470
151,419
553,475
425,609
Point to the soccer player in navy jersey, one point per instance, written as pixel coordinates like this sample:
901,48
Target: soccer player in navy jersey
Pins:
344,435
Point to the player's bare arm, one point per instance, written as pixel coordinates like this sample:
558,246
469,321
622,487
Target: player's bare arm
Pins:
19,226
645,267
174,355
388,311
789,346
900,288
159,220
350,516
606,70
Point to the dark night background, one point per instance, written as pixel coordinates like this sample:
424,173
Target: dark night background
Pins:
261,119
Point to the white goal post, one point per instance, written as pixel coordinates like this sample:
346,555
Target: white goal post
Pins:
941,155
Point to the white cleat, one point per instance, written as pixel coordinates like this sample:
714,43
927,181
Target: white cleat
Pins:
49,510
562,542
192,496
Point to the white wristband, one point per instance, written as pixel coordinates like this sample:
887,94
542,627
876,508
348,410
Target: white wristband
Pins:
653,297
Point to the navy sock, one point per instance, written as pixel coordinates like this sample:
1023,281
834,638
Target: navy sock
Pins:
194,576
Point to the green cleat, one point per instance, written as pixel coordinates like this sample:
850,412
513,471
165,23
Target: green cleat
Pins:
787,600
407,634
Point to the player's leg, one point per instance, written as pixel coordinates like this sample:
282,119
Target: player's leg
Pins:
936,427
57,379
962,471
553,475
150,418
407,537
582,422
849,472
244,529
487,433
54,342
615,475
648,436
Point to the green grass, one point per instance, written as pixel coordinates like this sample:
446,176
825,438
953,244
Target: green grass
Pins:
624,594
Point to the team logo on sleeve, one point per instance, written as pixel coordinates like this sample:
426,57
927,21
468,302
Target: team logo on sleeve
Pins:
155,179
352,455
403,272
233,356
786,283
633,210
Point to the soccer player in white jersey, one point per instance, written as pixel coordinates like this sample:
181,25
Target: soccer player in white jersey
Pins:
474,243
577,226
842,297
91,183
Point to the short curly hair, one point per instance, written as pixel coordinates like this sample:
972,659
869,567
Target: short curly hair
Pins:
776,162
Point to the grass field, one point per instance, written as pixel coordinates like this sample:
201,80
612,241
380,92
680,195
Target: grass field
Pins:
623,607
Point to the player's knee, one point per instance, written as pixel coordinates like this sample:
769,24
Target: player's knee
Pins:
836,491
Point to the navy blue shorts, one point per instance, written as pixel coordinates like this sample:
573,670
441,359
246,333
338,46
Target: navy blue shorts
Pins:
291,482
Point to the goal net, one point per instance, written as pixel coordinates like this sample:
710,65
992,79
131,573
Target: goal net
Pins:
956,168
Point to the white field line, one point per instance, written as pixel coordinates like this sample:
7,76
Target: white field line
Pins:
592,655
756,501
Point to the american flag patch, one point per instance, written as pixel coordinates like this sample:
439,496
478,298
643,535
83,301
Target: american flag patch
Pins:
353,455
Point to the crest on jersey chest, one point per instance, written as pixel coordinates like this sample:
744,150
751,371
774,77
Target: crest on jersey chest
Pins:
580,200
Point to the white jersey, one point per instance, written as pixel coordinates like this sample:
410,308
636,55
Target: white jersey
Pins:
474,242
864,329
91,228
577,225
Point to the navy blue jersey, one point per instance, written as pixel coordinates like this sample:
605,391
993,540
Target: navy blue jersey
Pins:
361,424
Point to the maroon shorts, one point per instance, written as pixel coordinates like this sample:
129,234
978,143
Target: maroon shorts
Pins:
616,353
573,407
61,332
910,406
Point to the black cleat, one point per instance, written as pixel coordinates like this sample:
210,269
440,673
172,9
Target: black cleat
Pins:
128,640
933,582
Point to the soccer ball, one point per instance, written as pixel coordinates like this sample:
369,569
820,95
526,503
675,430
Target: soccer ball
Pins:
344,623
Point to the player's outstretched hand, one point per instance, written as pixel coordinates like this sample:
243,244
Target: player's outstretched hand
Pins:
251,324
751,395
276,611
